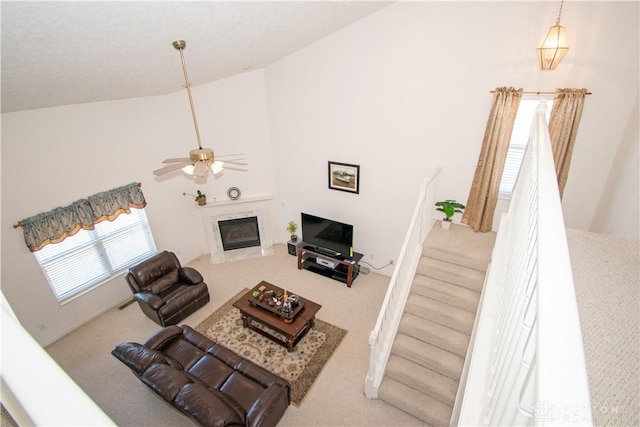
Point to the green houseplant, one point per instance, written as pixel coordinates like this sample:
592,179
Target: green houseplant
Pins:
199,197
449,208
291,228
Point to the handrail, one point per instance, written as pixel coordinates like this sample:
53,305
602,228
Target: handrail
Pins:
29,375
382,336
560,345
526,364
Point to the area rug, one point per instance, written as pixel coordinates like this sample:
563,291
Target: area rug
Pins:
300,367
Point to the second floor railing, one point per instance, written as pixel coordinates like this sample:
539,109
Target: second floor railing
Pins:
35,389
526,363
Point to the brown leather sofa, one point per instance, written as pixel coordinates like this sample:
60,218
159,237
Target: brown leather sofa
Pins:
206,381
167,292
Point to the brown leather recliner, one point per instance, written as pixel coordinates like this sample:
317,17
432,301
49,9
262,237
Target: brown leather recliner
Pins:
166,291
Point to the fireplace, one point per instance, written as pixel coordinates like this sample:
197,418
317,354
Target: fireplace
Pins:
239,233
238,229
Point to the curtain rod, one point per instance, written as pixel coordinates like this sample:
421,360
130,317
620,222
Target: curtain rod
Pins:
538,93
18,224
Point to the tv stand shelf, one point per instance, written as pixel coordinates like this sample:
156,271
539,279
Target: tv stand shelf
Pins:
346,269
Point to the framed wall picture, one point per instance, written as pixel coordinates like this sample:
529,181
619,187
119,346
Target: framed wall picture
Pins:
344,177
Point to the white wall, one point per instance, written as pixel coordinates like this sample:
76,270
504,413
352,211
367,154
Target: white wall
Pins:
399,93
618,209
54,156
407,89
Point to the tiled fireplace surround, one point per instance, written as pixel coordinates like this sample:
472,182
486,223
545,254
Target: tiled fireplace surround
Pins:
259,207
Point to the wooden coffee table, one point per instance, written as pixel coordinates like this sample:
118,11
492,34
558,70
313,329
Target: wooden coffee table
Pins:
290,330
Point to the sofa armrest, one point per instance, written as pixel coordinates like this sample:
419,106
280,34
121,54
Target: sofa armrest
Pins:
163,337
152,300
190,275
269,408
137,357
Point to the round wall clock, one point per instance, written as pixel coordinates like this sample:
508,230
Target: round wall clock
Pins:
233,193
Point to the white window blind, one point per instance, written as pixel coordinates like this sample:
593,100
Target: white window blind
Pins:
90,257
519,139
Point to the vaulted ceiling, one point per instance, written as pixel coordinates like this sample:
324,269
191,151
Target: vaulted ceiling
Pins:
70,52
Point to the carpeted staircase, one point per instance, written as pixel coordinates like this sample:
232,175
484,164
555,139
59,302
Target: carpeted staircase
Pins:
428,354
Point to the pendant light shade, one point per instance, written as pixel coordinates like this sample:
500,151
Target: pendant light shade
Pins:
553,46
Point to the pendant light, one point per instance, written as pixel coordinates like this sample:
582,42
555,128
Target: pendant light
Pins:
553,46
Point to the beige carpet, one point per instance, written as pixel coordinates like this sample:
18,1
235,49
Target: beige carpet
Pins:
605,272
299,367
336,397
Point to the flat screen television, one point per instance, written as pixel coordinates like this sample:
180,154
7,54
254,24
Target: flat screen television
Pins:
327,236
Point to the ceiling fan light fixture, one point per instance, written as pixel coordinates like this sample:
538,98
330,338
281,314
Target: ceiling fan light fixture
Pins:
200,169
217,167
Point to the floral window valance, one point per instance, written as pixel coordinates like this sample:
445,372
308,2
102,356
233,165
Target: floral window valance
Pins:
56,225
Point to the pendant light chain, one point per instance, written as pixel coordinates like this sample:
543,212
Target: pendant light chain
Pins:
559,13
193,110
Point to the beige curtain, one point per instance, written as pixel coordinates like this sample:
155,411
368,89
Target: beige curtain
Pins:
563,129
486,182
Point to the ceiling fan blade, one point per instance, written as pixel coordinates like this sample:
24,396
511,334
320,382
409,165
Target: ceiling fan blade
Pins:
183,159
235,169
235,163
170,168
230,155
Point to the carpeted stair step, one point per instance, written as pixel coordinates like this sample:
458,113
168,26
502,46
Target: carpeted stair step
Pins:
433,333
457,296
428,355
439,312
451,273
425,408
428,352
422,379
460,245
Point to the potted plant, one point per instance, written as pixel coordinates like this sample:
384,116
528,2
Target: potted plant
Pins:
449,208
199,197
291,228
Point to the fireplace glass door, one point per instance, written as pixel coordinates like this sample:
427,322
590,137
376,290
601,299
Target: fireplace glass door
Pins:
239,233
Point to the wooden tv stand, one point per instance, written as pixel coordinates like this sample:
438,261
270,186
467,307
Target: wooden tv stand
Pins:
346,269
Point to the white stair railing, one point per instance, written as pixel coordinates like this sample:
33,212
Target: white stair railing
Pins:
526,363
382,336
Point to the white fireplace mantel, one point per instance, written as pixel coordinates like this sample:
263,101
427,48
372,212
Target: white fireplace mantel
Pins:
258,206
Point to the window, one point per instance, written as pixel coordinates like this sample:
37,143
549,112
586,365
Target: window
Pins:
90,257
519,139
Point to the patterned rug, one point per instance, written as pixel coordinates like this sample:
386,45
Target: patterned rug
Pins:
300,367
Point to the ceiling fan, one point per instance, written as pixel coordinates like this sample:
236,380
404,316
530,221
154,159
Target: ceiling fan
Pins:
201,161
